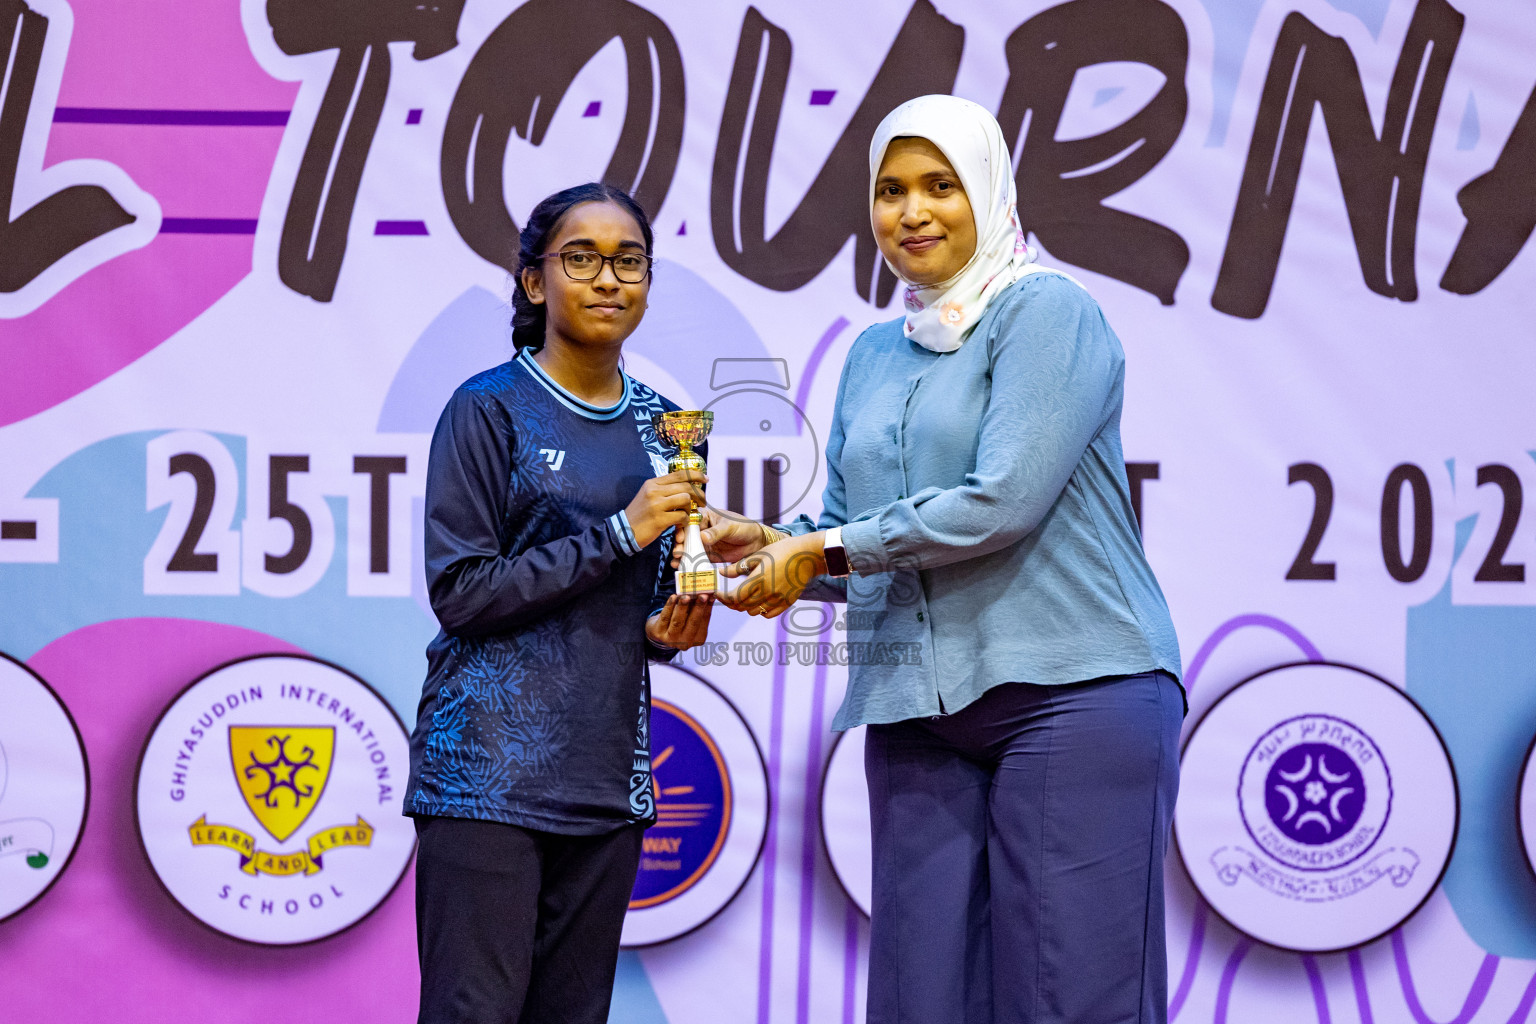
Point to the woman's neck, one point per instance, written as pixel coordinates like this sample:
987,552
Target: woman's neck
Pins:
592,375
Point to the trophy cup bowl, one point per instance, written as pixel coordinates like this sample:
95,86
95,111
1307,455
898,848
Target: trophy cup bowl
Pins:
684,428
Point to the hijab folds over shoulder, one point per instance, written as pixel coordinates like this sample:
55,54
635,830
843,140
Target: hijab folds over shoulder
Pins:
940,316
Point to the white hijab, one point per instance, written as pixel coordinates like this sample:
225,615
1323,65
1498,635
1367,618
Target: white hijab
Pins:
940,316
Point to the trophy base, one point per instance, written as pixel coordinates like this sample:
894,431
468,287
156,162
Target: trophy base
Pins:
703,582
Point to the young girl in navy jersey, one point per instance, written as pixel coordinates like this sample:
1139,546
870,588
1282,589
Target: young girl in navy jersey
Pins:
548,533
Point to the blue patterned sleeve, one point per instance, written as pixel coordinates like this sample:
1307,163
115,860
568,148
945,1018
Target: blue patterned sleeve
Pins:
475,588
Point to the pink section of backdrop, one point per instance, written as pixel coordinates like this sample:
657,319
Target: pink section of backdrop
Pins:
108,921
149,55
166,54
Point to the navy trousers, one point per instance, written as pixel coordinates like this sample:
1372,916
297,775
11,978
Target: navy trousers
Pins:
1018,856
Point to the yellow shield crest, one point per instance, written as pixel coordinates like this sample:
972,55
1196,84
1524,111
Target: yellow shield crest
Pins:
281,771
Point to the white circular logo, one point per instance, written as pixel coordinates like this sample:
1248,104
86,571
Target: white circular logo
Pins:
44,787
1317,807
711,793
269,799
845,818
1527,806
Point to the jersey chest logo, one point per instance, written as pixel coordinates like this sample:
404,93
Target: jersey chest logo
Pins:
554,457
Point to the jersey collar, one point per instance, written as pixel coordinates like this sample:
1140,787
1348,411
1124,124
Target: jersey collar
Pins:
586,409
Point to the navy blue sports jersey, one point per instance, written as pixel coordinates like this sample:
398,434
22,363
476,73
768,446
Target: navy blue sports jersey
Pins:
536,708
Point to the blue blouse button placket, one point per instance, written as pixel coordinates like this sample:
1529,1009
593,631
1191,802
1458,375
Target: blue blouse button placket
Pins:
901,431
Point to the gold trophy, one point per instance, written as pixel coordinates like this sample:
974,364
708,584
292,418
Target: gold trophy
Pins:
686,428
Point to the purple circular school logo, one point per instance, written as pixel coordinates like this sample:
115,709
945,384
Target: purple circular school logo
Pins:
692,787
1315,792
710,788
1344,812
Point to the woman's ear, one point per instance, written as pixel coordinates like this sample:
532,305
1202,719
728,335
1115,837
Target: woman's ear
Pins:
533,286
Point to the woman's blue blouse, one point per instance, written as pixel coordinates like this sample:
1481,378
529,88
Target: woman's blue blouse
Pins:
986,512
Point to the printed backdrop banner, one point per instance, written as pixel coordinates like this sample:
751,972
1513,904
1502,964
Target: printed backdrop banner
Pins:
248,248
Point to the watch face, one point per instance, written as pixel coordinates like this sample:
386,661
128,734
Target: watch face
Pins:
837,560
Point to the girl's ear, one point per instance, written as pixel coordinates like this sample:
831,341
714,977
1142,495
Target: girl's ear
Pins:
533,285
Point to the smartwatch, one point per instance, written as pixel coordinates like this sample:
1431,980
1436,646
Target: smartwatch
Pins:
836,555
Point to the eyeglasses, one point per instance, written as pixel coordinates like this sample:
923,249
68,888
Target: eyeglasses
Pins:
583,265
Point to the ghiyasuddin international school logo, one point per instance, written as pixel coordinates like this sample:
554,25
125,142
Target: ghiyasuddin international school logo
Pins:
269,799
281,772
711,795
1317,807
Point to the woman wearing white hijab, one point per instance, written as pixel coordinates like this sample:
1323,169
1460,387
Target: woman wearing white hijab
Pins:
1021,685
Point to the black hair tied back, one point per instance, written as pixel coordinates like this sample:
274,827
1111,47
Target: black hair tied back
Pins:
528,318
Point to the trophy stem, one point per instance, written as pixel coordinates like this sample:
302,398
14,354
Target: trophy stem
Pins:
695,574
686,460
